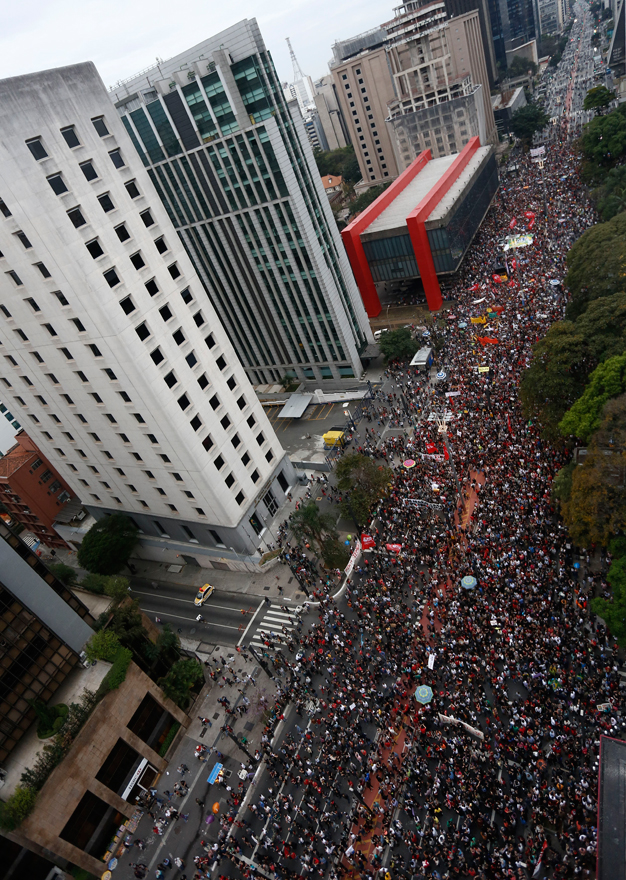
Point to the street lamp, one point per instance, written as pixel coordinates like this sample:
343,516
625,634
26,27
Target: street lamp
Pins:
443,430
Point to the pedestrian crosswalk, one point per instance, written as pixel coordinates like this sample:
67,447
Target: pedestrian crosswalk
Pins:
275,618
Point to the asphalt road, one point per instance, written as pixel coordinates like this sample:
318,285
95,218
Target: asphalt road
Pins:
226,615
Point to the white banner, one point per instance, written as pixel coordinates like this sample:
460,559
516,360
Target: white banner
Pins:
353,559
449,719
431,661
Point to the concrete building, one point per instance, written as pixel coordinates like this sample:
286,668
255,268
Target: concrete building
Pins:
455,8
43,629
112,352
421,76
330,113
420,228
504,106
364,86
32,491
550,17
616,58
233,166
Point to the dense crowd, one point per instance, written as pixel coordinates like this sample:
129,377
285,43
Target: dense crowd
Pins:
494,775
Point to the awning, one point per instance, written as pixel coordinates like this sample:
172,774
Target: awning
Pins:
295,406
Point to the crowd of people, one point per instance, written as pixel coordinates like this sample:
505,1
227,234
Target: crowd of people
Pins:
449,704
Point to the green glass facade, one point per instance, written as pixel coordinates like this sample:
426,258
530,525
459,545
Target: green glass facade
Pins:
267,272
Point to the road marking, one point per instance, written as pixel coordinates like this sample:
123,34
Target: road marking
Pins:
245,632
178,617
154,594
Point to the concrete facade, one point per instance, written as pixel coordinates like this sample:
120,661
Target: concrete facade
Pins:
118,361
330,113
76,775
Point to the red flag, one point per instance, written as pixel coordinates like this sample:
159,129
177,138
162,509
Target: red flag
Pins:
497,279
530,224
474,288
529,214
487,340
394,548
508,421
513,223
431,448
513,264
446,454
367,542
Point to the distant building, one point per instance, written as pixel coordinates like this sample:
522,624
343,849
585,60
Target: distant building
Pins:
504,106
616,58
455,8
420,228
423,78
332,184
32,491
330,113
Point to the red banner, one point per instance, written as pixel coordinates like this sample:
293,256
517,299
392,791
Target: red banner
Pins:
394,548
367,542
446,454
431,448
474,288
497,279
513,264
530,215
487,340
513,223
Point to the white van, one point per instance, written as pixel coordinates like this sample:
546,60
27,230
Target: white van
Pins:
379,333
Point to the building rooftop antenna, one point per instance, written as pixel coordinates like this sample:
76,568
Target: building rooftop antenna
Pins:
298,76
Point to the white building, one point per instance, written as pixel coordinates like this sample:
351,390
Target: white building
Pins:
231,162
113,357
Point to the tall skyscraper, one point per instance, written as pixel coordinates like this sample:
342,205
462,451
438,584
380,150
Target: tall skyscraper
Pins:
460,7
112,352
330,115
232,164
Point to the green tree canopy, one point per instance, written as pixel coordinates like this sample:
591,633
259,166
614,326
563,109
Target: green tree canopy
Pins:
598,98
309,524
596,509
613,611
362,483
103,645
556,377
603,141
366,198
180,680
610,197
108,544
397,345
608,380
63,572
596,264
528,120
342,162
521,66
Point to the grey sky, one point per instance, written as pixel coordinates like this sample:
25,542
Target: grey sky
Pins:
125,36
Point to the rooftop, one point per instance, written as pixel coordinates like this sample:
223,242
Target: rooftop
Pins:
13,460
331,180
394,216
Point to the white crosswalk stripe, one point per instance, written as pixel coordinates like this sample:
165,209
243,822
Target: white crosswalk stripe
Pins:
273,621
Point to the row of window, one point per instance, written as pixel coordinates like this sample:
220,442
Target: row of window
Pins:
372,124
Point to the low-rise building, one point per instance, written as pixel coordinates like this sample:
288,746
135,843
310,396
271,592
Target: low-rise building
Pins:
32,491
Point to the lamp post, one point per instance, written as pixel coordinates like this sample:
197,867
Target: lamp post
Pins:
443,430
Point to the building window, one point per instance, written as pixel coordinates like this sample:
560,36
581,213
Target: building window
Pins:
14,277
37,149
118,161
183,402
132,189
137,260
174,271
157,356
142,331
100,126
207,443
106,202
43,269
4,210
146,216
95,248
88,170
76,217
152,287
161,245
219,462
127,305
122,232
196,423
24,239
186,296
229,480
111,277
178,336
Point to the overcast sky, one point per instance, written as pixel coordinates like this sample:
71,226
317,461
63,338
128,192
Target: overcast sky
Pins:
124,36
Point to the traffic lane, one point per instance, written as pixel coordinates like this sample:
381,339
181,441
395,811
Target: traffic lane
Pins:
223,621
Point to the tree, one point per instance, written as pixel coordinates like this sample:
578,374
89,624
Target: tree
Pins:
608,380
362,483
17,807
598,99
527,121
63,572
308,523
397,345
613,612
117,588
103,645
596,263
334,553
610,197
180,680
603,141
596,509
341,161
522,66
366,198
108,544
556,377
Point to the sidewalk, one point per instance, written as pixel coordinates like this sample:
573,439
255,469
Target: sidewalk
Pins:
182,837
